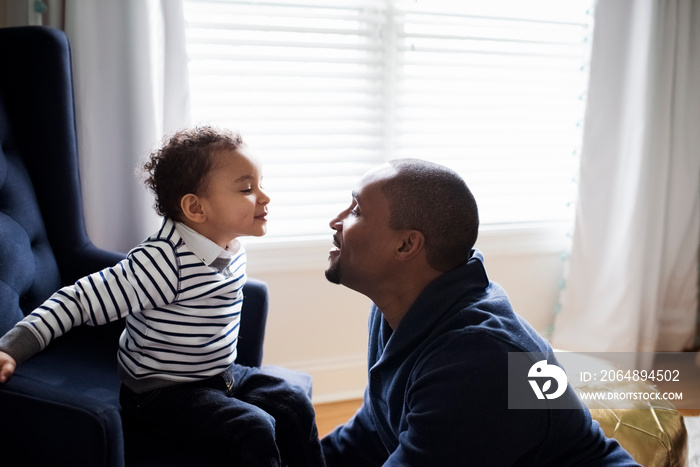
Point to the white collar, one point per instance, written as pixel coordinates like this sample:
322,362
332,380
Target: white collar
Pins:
202,247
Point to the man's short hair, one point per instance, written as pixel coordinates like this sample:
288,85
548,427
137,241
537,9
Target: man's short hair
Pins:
436,201
184,163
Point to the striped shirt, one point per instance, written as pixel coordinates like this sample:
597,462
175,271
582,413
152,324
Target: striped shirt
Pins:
182,315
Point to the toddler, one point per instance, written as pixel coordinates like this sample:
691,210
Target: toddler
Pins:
181,293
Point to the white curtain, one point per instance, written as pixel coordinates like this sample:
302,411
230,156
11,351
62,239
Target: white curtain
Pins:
632,276
130,76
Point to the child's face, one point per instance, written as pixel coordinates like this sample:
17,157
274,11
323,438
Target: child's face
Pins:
234,202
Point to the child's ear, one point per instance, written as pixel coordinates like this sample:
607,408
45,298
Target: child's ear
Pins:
192,208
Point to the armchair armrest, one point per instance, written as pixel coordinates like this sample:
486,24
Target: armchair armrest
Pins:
253,319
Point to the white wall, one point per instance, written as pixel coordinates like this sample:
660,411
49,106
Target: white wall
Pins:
321,328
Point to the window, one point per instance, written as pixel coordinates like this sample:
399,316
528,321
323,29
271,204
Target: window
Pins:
324,90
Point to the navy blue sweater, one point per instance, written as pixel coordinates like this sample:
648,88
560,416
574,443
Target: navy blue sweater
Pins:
438,389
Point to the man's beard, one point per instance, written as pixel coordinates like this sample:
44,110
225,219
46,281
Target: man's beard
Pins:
333,273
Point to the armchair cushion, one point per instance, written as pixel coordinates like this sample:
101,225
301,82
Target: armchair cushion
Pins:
66,395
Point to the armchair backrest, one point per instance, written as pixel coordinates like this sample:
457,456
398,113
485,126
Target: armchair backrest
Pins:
40,211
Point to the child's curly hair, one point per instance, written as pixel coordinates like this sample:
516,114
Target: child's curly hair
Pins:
183,165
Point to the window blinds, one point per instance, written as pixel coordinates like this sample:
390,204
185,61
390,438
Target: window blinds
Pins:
324,90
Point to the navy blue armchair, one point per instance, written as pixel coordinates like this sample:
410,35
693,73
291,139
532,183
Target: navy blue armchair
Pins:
62,406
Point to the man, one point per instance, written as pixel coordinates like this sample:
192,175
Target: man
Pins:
440,334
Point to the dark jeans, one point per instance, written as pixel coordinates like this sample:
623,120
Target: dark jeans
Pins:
260,419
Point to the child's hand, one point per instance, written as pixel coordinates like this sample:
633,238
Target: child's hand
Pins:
7,366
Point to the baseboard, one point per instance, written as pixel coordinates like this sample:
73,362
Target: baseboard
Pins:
331,398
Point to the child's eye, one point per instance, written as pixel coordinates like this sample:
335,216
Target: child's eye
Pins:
247,191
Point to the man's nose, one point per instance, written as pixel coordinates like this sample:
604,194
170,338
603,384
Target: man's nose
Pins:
337,222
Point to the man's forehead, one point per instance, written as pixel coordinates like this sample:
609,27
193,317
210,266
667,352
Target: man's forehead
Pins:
375,177
368,188
371,196
379,172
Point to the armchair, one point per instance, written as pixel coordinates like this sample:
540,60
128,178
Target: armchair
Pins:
62,406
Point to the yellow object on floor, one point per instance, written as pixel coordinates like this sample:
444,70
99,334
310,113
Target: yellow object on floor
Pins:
653,432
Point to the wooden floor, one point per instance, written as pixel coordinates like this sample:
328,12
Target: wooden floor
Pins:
330,415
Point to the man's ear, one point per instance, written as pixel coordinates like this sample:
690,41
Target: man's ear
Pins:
192,208
413,243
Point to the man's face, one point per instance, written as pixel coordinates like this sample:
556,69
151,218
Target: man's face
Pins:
364,244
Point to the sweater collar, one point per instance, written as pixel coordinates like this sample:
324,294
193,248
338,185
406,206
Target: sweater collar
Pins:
436,300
